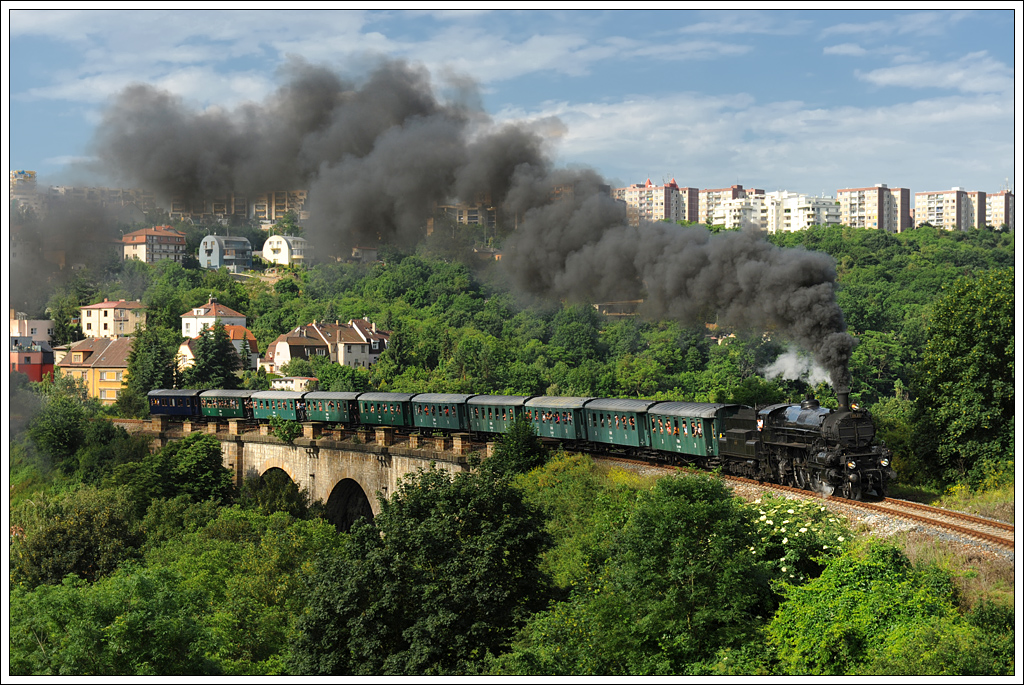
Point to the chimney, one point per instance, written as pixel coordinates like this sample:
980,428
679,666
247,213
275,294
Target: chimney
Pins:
844,399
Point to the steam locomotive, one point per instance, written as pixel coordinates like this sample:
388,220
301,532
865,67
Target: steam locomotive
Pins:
830,451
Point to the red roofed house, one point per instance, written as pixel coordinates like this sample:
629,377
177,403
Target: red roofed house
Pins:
151,245
198,318
112,319
186,351
357,344
102,363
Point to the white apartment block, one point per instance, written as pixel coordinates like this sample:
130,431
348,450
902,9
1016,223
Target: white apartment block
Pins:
880,207
786,212
999,209
708,200
110,319
285,249
955,209
648,202
746,213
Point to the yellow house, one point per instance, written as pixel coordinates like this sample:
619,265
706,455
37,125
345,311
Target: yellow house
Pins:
102,363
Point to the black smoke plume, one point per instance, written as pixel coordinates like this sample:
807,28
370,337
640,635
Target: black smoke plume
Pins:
377,156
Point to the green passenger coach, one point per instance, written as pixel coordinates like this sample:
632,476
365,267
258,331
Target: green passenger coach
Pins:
283,403
494,413
558,417
386,409
332,407
441,411
691,429
232,404
618,422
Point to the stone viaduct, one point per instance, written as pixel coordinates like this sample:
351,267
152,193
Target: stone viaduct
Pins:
344,470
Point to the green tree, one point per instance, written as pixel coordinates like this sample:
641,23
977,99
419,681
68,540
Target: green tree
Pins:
59,427
87,532
516,451
872,612
966,376
445,574
216,360
62,308
152,365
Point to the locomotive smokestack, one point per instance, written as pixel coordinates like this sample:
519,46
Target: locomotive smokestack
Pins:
844,399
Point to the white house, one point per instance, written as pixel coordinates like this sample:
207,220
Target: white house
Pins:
198,318
285,249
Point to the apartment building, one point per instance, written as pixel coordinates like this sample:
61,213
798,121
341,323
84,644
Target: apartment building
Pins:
709,200
152,245
999,209
785,211
34,358
221,208
648,202
271,207
39,330
878,206
955,209
112,319
233,253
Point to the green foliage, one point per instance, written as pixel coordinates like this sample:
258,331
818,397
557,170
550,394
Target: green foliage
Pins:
284,430
871,612
59,427
192,466
966,410
516,451
445,574
130,623
275,491
797,537
87,532
681,586
216,360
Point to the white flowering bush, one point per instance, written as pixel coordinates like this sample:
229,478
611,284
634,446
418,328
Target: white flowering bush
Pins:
797,537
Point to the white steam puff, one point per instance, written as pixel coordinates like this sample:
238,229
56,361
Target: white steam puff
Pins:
792,365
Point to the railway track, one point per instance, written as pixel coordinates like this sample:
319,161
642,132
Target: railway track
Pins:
977,528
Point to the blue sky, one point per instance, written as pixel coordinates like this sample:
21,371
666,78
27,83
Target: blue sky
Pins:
807,101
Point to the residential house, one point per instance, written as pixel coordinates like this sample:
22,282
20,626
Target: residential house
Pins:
294,383
102,363
112,319
187,356
39,330
357,343
152,245
198,318
287,250
34,358
233,253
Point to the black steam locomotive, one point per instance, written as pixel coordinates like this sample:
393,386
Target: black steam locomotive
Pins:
803,445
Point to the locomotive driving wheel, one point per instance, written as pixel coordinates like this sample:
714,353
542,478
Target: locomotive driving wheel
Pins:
800,478
852,491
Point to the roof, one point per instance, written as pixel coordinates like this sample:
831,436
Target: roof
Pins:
221,239
387,396
104,352
558,402
442,398
500,400
325,395
704,410
213,308
236,332
277,395
227,393
187,392
119,304
621,405
162,231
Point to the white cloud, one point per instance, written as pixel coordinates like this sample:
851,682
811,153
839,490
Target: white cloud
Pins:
851,49
731,22
917,24
714,141
972,73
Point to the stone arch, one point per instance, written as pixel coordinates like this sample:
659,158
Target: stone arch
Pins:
347,504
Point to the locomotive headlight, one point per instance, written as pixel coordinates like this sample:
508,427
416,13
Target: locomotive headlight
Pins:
851,464
884,462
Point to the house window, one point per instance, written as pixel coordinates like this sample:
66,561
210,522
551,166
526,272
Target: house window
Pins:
77,357
188,327
88,312
106,313
103,394
28,360
32,331
104,326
